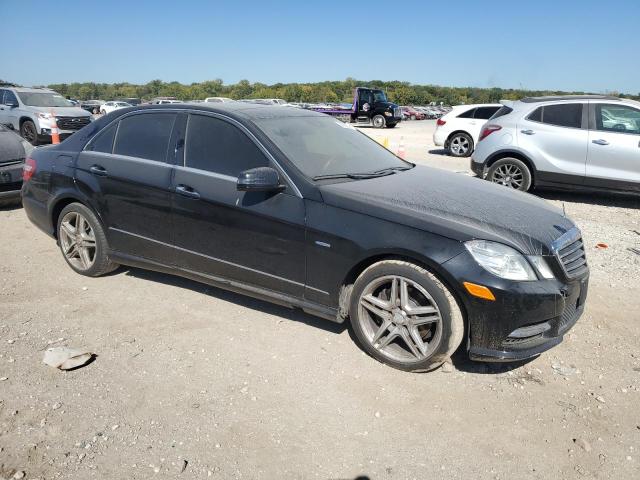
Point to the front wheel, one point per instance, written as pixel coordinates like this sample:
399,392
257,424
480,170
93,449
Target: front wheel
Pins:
83,242
510,172
29,132
379,121
403,316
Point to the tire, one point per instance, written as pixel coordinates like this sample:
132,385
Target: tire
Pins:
510,172
378,121
387,335
103,112
29,132
96,262
460,145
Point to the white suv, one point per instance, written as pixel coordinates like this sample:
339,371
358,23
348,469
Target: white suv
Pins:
589,141
35,111
458,130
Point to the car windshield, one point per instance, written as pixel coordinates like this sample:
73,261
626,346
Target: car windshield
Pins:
324,146
44,99
379,96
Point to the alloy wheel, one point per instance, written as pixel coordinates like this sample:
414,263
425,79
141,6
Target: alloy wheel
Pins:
29,132
78,241
459,145
400,318
509,175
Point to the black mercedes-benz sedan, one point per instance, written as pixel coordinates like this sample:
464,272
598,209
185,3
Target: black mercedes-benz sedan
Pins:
300,209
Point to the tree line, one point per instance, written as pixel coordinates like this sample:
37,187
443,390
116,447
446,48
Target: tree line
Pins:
403,93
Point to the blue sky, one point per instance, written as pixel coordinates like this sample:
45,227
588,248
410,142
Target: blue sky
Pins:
540,44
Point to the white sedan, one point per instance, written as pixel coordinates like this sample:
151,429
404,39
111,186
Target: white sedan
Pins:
109,107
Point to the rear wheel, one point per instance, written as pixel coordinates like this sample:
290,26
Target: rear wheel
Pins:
83,242
378,121
404,316
29,132
510,172
460,145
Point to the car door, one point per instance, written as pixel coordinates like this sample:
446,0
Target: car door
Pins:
613,159
126,171
555,136
466,122
255,238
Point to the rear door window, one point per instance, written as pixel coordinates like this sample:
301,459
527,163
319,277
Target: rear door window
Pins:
217,146
145,136
485,113
103,142
563,115
467,114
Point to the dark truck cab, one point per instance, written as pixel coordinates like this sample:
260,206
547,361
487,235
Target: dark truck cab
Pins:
370,107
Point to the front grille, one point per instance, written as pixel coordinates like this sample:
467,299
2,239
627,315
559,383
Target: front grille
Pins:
570,251
397,112
72,123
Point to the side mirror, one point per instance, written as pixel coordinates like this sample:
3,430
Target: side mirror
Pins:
261,179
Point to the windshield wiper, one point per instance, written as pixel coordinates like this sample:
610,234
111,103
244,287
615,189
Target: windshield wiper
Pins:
360,176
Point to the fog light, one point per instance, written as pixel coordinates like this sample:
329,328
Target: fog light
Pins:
45,131
479,291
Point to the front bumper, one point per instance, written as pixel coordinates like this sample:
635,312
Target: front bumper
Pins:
526,319
477,168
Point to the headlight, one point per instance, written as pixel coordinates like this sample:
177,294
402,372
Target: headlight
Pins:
542,266
503,261
43,115
388,114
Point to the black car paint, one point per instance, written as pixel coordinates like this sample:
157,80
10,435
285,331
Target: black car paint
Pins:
304,246
12,156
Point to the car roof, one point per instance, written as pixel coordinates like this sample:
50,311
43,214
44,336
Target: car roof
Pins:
237,110
559,98
31,90
476,105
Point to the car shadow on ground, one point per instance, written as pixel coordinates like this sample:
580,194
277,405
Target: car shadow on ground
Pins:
592,198
439,151
292,314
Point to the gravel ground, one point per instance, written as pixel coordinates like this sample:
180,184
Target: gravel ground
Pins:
194,382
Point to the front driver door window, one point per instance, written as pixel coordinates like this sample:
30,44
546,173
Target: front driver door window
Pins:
256,238
614,147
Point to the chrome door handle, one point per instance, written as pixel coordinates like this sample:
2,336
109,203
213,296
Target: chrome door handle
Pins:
600,142
528,132
98,170
186,191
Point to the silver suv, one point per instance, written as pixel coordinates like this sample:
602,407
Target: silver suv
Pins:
589,141
35,111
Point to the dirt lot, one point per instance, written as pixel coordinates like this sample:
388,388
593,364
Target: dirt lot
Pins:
238,388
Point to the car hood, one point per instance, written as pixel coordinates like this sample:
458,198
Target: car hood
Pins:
454,205
63,111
